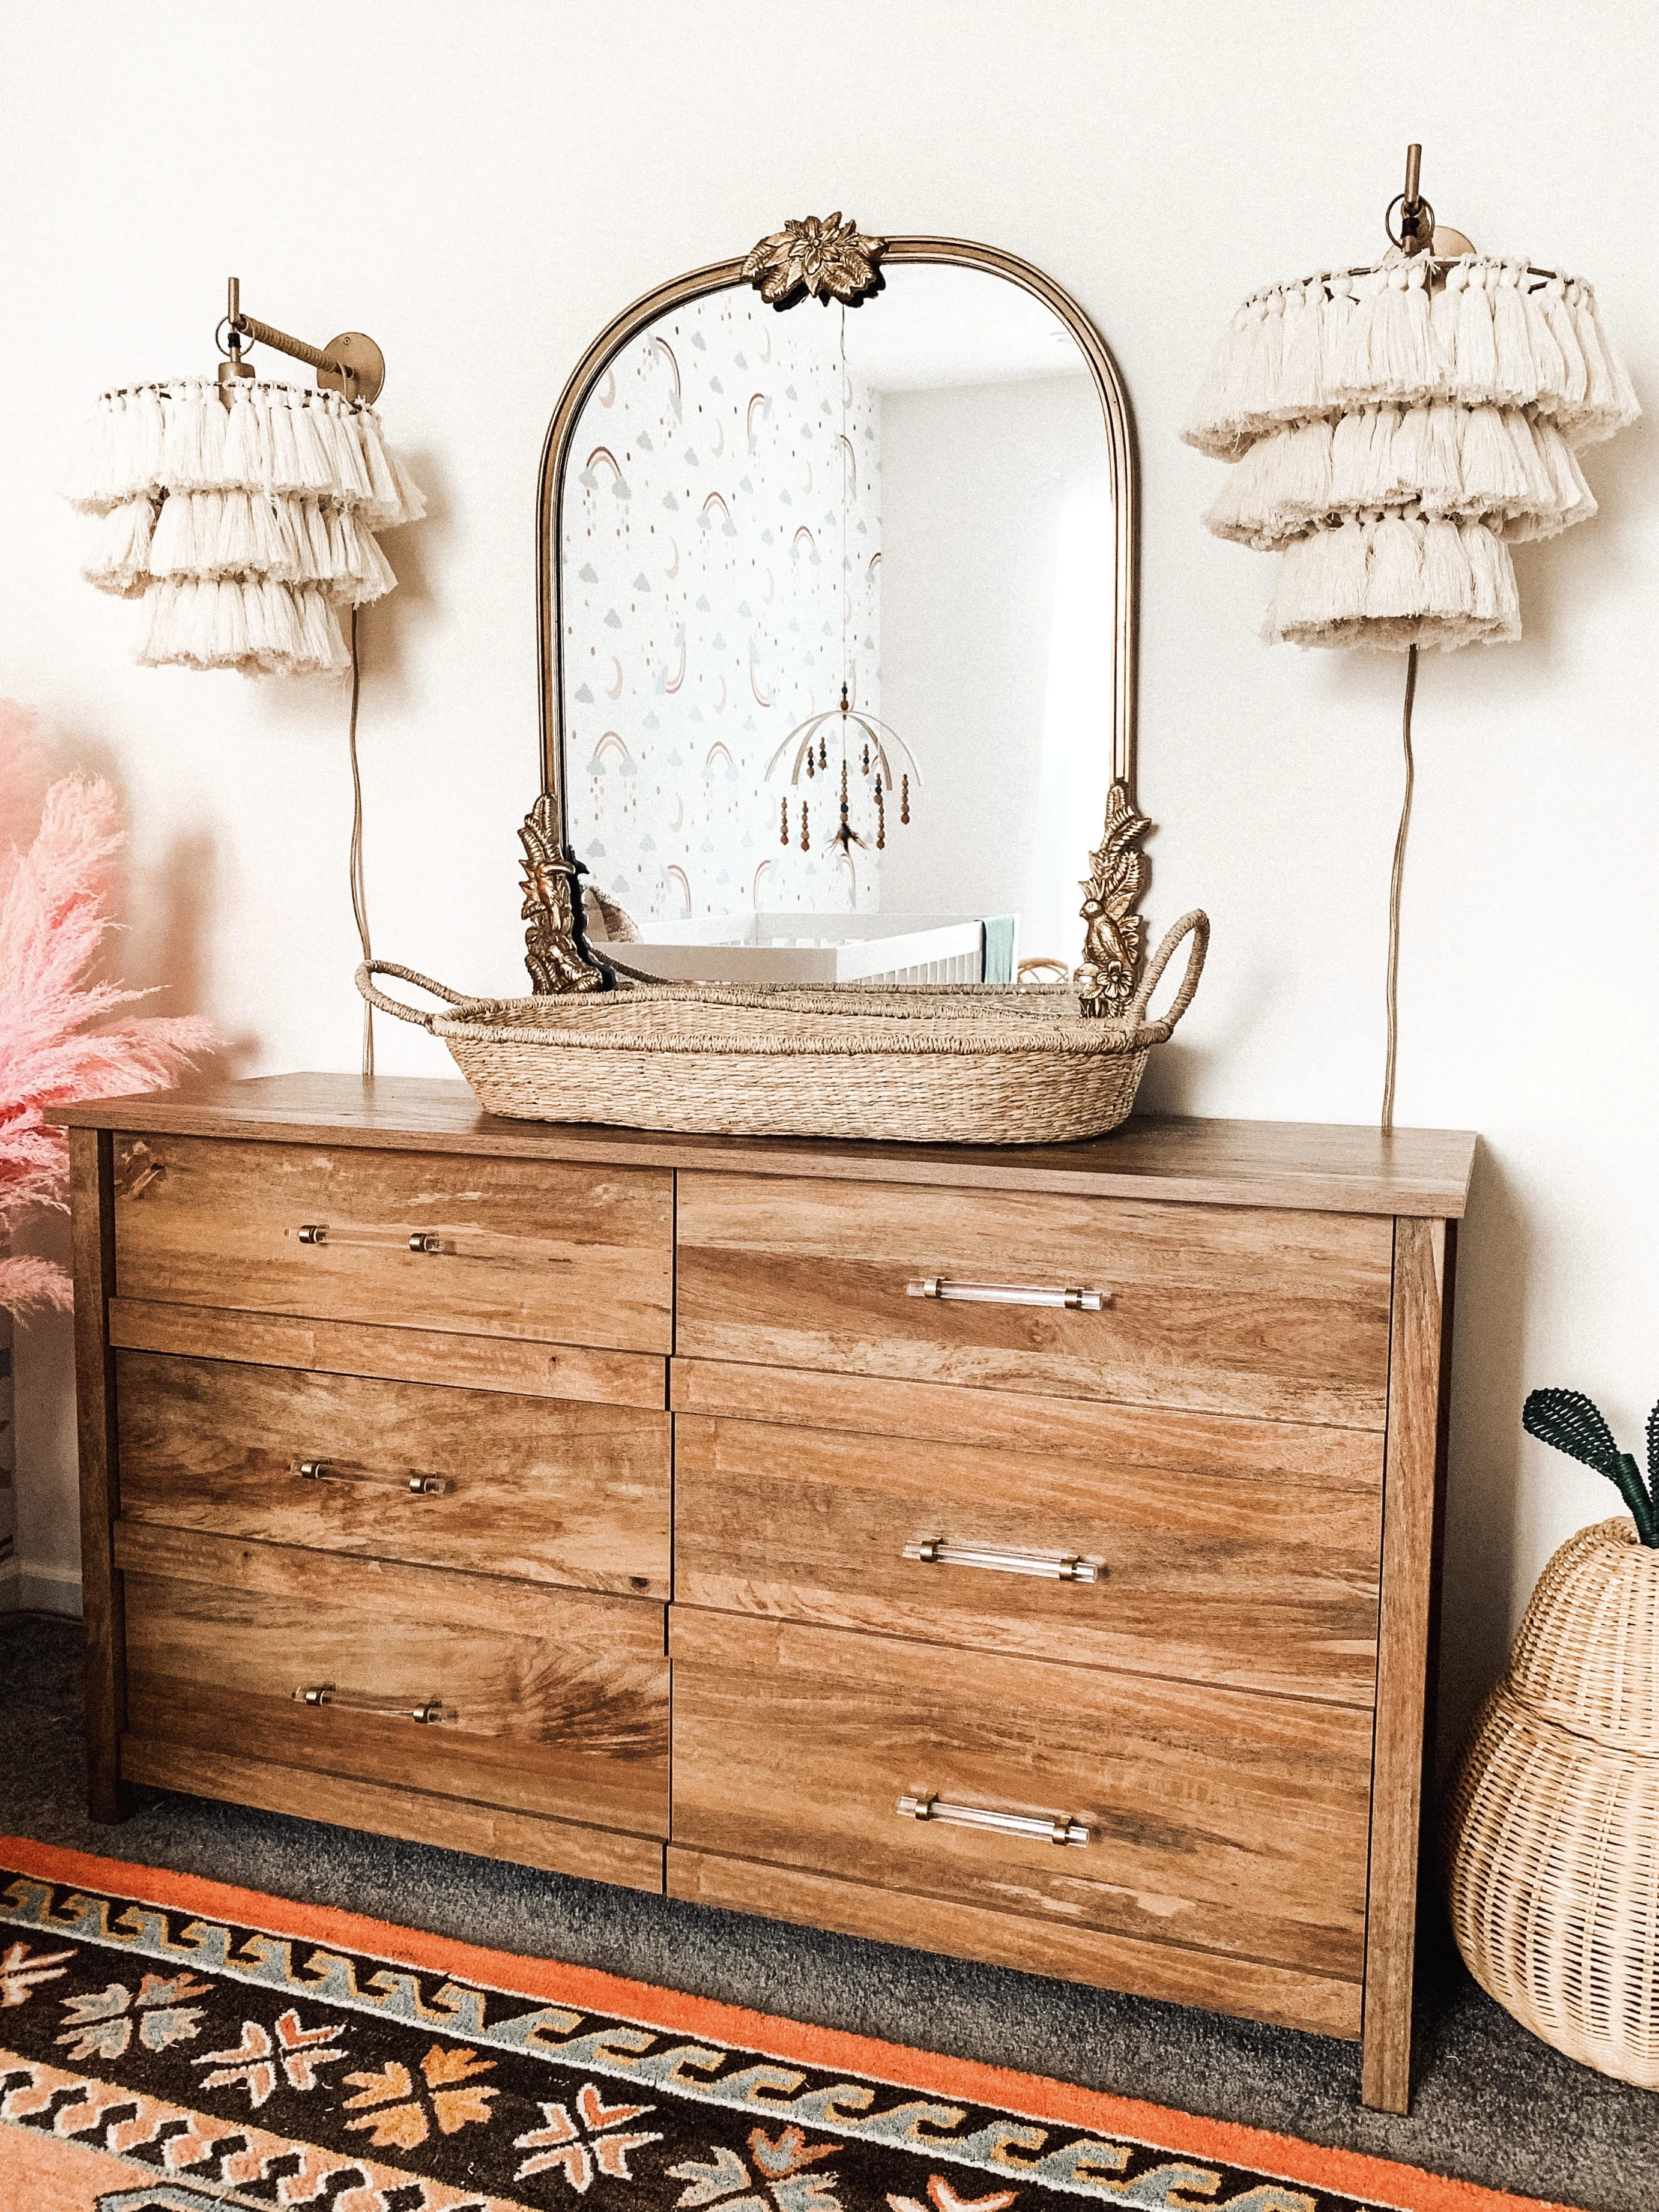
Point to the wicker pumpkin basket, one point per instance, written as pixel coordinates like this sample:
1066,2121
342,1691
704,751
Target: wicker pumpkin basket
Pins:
972,1064
1552,1841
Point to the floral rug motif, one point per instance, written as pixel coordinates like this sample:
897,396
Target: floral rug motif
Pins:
170,2044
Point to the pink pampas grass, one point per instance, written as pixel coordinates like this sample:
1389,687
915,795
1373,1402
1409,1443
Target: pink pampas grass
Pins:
57,1041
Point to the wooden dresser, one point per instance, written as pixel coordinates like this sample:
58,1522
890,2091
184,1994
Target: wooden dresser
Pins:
1024,1555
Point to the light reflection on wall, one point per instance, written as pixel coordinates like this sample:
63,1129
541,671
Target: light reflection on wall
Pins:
1074,765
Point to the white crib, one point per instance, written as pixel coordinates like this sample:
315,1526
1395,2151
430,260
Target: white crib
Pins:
812,949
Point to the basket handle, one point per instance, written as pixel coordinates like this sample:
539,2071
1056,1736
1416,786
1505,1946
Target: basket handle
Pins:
1195,925
404,1013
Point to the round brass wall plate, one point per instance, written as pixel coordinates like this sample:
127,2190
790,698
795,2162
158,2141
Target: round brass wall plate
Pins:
363,360
1450,245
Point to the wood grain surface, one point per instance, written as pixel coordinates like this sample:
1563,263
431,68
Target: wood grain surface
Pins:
1221,1821
388,1589
1421,1325
568,1718
561,1254
1233,1552
92,1230
1250,1438
1244,1987
1321,1166
416,1816
1283,1316
404,1354
554,1492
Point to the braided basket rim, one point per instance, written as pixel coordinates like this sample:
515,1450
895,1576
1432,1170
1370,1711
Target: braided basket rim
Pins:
591,1024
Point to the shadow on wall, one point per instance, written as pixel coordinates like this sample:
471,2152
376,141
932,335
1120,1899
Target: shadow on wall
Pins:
180,911
179,918
1494,1262
164,949
1182,1071
414,551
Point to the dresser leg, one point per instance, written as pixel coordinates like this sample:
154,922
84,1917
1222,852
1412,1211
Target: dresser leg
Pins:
1418,1367
93,1229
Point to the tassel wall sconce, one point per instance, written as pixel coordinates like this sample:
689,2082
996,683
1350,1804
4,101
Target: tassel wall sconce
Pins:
1394,430
244,513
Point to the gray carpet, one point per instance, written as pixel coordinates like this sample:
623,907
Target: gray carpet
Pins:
1493,2105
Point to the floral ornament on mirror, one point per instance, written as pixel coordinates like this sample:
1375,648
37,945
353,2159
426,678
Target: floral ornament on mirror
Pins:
1112,931
822,257
555,943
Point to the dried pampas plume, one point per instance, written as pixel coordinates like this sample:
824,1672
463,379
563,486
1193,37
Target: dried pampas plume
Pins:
58,1038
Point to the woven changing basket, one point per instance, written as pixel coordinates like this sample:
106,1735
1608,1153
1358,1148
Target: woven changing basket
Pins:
963,1064
1553,1842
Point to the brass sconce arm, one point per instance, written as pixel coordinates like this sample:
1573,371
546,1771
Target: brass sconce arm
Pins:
350,363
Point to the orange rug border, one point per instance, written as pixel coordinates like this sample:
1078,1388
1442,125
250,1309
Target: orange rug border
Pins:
549,1981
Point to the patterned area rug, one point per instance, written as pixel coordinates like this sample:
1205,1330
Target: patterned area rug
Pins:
168,2044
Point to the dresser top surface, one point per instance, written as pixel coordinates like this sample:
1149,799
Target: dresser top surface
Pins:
1332,1167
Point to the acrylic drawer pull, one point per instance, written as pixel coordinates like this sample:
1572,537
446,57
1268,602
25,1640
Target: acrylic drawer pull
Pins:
1033,1826
391,1240
325,1693
418,1485
1007,1294
1048,1566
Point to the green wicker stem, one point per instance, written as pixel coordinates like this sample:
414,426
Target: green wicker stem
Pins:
1573,1424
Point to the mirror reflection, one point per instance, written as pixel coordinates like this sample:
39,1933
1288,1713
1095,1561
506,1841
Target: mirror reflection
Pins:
837,589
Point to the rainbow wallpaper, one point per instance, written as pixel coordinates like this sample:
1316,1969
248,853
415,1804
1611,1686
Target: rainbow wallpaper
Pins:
704,597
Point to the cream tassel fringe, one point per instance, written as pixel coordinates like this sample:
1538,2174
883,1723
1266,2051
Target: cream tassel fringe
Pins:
273,437
1395,580
1495,333
253,626
120,561
243,526
1503,467
249,535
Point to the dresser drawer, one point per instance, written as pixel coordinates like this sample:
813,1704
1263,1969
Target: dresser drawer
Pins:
1253,1989
1276,1315
1241,1553
513,1247
479,1479
559,1700
1215,1820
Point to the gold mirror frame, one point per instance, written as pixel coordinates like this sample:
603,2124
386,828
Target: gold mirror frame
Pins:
815,259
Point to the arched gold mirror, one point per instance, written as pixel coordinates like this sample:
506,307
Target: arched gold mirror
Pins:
837,593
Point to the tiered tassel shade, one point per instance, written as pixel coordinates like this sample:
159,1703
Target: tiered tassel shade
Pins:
1396,431
245,527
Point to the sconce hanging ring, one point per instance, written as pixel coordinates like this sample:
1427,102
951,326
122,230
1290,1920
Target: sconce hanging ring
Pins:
1425,225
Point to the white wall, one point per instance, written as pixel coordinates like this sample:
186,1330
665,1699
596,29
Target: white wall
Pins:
482,187
997,540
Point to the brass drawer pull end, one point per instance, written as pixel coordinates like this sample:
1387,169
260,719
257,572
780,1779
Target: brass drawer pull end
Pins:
1060,1830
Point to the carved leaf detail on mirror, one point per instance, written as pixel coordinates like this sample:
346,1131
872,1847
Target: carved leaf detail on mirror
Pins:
1112,931
819,257
556,946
